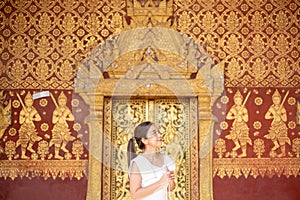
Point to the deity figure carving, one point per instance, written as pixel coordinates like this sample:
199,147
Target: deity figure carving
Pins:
278,129
239,132
28,134
5,114
61,133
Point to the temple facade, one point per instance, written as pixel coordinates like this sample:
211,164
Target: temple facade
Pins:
220,79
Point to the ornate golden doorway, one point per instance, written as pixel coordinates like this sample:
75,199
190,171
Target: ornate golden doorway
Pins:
177,122
173,65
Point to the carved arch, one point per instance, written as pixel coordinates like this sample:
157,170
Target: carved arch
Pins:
93,86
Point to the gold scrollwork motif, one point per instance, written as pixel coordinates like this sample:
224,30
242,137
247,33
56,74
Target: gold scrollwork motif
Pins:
43,168
126,115
238,167
172,118
45,21
79,26
20,21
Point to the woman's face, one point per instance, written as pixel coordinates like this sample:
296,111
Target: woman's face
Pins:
154,137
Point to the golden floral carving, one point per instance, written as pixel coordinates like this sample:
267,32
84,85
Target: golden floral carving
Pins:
77,149
296,147
10,149
259,147
220,147
65,29
43,149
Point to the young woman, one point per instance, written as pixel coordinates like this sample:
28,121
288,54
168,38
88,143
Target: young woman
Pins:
151,174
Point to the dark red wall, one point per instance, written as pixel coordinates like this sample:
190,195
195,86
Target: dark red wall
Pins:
257,189
40,189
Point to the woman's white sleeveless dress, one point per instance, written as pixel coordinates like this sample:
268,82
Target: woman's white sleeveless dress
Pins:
151,174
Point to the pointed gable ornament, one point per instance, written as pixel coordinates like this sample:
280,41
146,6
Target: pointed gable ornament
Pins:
150,13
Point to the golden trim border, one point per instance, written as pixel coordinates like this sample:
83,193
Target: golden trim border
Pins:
43,168
237,167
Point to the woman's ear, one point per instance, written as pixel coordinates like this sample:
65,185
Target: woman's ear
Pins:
144,140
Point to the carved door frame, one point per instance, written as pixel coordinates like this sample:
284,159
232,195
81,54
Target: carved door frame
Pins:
185,141
92,86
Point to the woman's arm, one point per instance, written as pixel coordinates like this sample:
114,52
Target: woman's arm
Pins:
136,189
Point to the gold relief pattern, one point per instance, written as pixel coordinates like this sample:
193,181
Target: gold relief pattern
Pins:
64,32
45,44
260,68
20,21
281,19
284,69
259,147
257,44
66,29
296,147
208,20
36,168
29,144
278,130
264,167
43,149
10,149
126,116
235,68
239,132
106,174
220,147
77,149
17,69
172,118
5,113
275,146
232,19
19,45
45,21
28,134
42,69
61,134
257,19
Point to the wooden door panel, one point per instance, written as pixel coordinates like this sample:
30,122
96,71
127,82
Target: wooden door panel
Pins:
173,118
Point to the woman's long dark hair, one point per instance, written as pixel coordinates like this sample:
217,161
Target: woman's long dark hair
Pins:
140,132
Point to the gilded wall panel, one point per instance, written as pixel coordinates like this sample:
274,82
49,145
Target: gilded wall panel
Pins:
55,36
258,134
43,43
42,137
